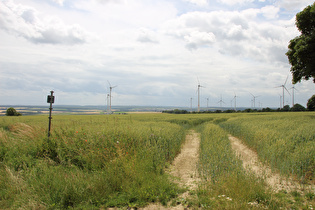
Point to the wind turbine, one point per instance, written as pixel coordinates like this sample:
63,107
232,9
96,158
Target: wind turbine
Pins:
199,86
254,99
283,87
207,103
191,104
234,98
221,101
110,96
293,88
280,101
107,103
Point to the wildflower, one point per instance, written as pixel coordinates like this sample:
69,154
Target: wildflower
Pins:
77,131
85,140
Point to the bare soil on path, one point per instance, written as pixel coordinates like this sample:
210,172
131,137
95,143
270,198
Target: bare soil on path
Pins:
184,169
274,180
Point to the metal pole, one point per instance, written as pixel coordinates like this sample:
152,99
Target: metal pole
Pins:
198,98
50,109
191,104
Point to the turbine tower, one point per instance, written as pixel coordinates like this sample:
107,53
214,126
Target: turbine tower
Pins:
283,87
293,88
107,103
234,98
254,99
207,104
199,86
110,96
191,104
221,101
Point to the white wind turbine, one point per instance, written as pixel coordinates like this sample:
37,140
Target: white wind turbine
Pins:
110,96
254,99
221,101
283,88
199,86
207,103
191,104
234,98
293,88
107,103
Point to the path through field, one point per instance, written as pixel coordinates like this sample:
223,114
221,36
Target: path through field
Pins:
184,169
251,162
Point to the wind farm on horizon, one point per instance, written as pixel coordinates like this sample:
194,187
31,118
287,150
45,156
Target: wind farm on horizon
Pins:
253,103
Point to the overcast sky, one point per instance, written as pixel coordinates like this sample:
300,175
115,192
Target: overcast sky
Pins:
153,50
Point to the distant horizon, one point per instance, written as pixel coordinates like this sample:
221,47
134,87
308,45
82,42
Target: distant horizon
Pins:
144,106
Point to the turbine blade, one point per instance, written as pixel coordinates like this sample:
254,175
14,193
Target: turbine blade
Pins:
286,80
287,90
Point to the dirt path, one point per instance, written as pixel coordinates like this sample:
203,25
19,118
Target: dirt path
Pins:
251,162
184,169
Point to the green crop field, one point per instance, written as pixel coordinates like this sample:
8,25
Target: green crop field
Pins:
101,161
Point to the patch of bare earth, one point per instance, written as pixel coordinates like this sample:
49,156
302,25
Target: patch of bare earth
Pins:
184,169
274,180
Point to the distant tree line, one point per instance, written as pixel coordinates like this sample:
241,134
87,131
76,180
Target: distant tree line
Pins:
286,108
295,108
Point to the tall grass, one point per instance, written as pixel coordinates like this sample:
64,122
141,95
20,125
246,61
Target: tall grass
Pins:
225,184
285,141
93,162
87,162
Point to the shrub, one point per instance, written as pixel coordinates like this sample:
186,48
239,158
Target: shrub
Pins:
12,112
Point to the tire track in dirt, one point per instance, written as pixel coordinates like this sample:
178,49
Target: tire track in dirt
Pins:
274,180
184,169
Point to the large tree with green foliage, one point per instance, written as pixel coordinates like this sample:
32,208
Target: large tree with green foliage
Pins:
311,103
301,51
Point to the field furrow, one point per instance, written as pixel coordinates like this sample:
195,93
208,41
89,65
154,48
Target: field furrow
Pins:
276,181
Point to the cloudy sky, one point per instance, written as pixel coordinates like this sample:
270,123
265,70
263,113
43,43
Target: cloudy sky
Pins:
155,51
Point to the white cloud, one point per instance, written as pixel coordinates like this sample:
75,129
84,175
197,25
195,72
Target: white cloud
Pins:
28,23
59,2
270,12
198,2
198,39
147,36
233,2
294,4
235,33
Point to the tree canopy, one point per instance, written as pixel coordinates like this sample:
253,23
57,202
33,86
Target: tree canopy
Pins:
301,53
311,103
298,108
12,112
